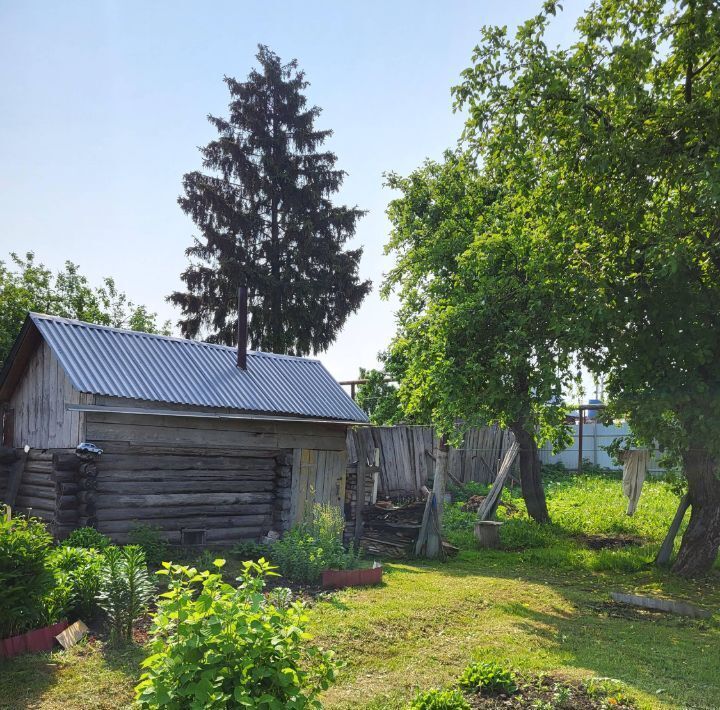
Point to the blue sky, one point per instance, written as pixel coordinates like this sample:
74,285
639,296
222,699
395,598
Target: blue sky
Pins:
104,105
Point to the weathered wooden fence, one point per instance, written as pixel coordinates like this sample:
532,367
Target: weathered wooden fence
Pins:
406,456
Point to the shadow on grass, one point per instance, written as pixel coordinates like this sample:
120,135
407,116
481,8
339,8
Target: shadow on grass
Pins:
25,679
648,653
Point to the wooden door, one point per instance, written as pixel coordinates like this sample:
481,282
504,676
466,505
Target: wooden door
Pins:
317,477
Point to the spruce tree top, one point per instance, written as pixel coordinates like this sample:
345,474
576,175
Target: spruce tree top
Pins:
263,208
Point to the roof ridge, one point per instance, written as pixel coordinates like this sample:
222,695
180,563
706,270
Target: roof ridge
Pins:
172,338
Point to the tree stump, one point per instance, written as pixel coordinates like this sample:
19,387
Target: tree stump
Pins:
487,533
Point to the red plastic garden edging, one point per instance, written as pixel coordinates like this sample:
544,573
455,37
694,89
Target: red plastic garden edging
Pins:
33,641
339,578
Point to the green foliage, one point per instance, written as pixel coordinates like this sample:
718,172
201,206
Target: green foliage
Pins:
521,534
488,678
437,699
218,646
25,577
125,589
26,286
265,217
89,538
77,582
313,546
378,398
610,150
150,539
250,550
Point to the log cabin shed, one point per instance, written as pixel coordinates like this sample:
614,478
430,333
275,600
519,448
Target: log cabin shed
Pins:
192,443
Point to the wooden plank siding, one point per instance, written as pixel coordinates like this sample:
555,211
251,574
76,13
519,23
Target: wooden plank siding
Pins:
40,419
318,477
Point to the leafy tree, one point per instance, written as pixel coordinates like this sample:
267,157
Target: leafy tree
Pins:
266,220
483,325
379,398
26,286
613,145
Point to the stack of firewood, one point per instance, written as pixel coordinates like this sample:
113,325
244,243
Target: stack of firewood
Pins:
390,530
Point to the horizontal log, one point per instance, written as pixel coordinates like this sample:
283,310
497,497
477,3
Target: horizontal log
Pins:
179,462
46,492
67,503
113,500
234,535
177,511
125,448
66,489
35,503
66,462
41,454
88,468
66,516
63,476
44,467
140,476
192,522
170,487
37,479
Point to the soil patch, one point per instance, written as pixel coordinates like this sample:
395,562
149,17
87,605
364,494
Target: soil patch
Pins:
610,542
556,693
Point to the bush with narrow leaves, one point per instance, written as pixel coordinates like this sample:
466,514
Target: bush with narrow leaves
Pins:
25,576
436,699
125,589
489,678
77,582
218,646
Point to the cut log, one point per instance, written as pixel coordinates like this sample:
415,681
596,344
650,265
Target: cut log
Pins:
487,534
191,521
112,500
170,487
179,511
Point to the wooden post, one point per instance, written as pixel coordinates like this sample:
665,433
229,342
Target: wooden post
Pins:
665,552
429,542
580,439
489,505
366,456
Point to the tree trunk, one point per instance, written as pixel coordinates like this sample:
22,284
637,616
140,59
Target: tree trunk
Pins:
700,543
429,542
530,474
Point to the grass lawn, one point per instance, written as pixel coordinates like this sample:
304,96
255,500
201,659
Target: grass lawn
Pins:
542,607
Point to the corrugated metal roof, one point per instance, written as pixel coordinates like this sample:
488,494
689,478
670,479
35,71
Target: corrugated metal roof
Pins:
124,363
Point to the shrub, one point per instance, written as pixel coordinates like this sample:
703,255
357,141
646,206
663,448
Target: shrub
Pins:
77,582
315,545
89,538
125,589
489,678
249,550
25,577
233,648
151,541
439,700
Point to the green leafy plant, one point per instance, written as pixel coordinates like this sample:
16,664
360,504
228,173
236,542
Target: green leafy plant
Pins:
77,582
315,545
437,699
250,550
125,589
489,678
150,539
218,646
89,538
25,576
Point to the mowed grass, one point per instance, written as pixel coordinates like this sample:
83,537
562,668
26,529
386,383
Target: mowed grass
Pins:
542,606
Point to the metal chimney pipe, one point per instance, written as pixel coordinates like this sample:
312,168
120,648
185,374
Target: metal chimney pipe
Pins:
242,328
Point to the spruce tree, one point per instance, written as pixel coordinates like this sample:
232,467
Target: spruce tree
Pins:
263,207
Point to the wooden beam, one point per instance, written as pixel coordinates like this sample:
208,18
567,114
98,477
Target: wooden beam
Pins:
13,485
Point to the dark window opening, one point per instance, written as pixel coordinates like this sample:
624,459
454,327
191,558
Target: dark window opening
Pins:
192,537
